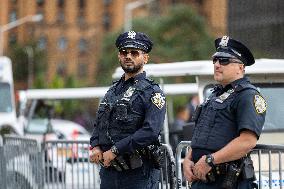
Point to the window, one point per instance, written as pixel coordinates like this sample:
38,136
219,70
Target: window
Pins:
60,16
61,69
82,70
13,16
82,45
40,2
82,4
62,43
107,2
5,98
42,43
12,39
60,3
81,19
106,21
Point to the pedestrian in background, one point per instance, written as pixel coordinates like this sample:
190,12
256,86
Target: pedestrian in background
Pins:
129,121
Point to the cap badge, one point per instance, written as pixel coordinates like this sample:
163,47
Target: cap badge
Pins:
131,34
224,41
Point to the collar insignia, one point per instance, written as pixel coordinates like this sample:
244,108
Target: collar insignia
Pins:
224,96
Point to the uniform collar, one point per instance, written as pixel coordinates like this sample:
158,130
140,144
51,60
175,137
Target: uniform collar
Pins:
237,82
220,89
135,78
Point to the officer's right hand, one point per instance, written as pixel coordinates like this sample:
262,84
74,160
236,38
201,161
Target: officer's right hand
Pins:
188,166
96,155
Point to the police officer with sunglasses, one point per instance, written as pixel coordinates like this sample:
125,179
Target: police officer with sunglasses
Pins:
125,140
227,125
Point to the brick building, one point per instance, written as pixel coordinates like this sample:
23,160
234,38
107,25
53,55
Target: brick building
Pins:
71,31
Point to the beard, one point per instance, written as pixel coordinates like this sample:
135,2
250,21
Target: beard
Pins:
132,69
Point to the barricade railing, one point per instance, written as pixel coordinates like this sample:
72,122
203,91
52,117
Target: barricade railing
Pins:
21,164
67,165
168,171
60,164
267,160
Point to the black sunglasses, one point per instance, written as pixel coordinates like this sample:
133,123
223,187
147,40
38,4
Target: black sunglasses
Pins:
225,61
134,53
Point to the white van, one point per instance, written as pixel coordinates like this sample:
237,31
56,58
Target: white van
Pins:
8,118
266,74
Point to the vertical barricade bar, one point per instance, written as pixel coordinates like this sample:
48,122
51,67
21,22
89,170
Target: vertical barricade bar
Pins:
170,167
3,169
180,147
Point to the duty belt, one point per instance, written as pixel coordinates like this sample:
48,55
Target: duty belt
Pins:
126,162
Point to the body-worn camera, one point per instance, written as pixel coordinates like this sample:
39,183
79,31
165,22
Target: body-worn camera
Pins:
230,179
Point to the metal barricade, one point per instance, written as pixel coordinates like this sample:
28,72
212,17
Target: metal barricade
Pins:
67,166
267,160
168,171
21,164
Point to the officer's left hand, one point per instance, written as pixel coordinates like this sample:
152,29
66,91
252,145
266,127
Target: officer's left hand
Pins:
108,156
201,169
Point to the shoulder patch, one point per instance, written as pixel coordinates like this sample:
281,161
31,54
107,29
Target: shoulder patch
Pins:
158,100
259,104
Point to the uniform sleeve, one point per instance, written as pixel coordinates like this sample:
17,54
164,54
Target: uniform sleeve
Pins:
251,111
94,140
155,109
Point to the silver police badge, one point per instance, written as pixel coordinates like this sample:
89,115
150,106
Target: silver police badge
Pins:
158,100
259,104
224,41
131,34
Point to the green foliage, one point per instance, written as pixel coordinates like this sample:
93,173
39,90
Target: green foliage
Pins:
19,56
181,35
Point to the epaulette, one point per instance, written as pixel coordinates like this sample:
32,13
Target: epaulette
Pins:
217,87
244,86
115,81
153,82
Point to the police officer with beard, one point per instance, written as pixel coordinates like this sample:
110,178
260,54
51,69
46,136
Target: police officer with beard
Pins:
129,121
228,124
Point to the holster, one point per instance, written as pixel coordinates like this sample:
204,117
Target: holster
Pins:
126,162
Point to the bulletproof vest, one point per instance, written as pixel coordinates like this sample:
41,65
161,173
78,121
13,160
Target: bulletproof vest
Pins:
116,117
216,125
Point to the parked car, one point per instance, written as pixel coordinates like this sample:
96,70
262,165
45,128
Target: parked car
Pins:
55,129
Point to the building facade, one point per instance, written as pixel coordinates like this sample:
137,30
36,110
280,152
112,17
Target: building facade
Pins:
71,31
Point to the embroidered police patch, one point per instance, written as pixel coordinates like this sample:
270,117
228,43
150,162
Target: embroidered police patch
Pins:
158,100
259,104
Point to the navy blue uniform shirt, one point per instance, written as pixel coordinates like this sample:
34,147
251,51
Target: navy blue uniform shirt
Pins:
151,104
228,111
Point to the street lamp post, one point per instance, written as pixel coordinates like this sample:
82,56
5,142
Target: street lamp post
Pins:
29,18
128,12
30,52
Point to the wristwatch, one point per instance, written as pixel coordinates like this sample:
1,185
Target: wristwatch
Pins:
210,160
114,150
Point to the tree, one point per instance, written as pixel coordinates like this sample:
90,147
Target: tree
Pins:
20,58
181,35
